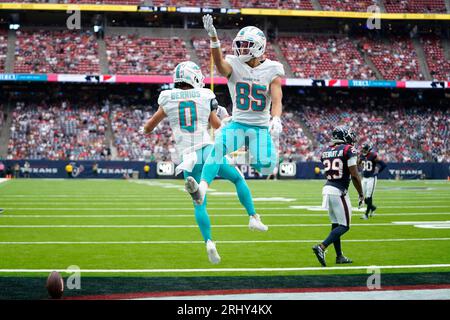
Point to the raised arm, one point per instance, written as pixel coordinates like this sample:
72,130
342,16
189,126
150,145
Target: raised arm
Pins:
223,66
153,122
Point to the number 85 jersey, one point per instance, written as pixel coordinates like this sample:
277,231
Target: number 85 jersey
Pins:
188,112
336,159
250,90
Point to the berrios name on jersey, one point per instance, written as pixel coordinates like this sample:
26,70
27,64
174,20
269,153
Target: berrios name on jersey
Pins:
188,112
250,90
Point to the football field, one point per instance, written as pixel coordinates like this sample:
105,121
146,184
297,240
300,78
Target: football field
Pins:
145,229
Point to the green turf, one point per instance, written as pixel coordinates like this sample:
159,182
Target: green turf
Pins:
161,202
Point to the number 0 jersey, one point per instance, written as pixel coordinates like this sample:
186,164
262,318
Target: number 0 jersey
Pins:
250,90
336,160
188,112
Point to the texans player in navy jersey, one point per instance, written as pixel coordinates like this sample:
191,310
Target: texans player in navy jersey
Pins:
371,166
340,164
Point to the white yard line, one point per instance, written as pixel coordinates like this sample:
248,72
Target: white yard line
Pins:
192,226
219,270
118,216
201,242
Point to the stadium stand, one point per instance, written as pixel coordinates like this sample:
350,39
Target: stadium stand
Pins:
133,145
45,51
438,65
131,54
402,131
274,4
396,58
3,49
56,130
324,57
347,5
116,2
419,6
189,3
202,50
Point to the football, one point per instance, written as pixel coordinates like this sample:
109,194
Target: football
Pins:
55,285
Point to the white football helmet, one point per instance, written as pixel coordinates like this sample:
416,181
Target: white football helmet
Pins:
249,43
190,73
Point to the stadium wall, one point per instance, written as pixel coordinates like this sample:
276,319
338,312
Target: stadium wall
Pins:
126,169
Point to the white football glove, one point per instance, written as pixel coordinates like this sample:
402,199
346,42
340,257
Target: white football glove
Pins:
276,127
222,113
208,23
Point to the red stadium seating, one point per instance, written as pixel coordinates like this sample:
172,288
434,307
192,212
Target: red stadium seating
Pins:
282,4
346,5
144,55
189,3
116,2
201,46
323,57
65,51
438,65
420,6
3,49
396,59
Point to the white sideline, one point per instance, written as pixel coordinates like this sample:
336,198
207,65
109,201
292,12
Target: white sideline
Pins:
418,266
201,242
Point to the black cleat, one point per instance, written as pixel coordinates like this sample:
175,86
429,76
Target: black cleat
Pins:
372,212
320,254
343,260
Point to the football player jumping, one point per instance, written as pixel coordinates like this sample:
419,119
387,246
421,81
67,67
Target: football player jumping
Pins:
254,84
340,164
190,108
371,165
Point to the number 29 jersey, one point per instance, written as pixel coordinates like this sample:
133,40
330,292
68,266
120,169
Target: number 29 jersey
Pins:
250,90
188,112
336,159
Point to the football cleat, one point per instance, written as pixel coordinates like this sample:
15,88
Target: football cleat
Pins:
1,211
320,254
372,212
213,255
364,217
343,260
255,223
194,190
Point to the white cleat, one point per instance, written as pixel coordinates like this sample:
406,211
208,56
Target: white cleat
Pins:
213,255
194,189
256,224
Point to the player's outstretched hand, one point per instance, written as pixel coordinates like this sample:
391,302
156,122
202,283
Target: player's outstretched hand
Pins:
276,127
208,23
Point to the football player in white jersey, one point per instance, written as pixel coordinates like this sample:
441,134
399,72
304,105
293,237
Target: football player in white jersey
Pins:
255,89
190,108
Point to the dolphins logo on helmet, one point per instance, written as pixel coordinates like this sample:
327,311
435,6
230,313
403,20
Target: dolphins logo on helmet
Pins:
249,43
190,73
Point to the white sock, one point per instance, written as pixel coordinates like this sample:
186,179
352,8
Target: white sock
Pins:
203,186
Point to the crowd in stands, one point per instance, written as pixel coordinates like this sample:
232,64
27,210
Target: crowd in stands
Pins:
116,2
438,65
322,57
395,58
58,129
400,131
3,49
45,51
412,6
347,5
131,54
134,145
